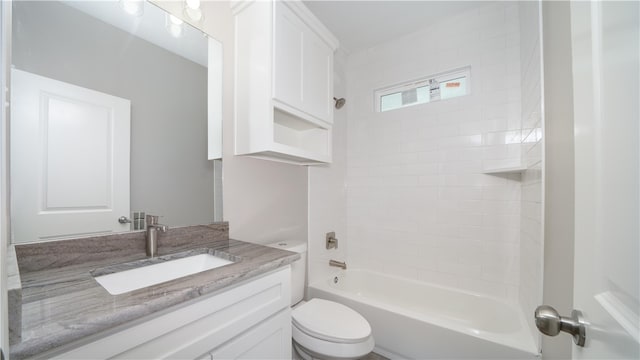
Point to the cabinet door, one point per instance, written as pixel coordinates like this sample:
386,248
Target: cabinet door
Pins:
303,66
270,339
288,57
317,75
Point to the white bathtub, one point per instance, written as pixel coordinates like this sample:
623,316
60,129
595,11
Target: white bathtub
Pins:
411,319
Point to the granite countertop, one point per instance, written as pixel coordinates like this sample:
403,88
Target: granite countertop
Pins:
61,304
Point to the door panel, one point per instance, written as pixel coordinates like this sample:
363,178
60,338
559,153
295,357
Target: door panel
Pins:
318,58
270,339
69,159
74,145
607,191
288,56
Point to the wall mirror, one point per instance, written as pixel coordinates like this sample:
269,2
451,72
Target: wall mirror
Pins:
109,119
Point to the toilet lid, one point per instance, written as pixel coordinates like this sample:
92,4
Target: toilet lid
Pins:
330,321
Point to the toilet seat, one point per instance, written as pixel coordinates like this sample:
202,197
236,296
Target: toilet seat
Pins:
331,329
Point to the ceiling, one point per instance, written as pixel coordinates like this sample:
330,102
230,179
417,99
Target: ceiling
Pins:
363,24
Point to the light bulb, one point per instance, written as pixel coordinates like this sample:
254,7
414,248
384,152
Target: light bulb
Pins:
192,10
193,4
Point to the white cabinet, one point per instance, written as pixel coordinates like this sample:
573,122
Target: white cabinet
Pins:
270,339
283,82
251,320
302,66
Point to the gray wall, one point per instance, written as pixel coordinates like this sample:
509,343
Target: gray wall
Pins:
170,173
559,177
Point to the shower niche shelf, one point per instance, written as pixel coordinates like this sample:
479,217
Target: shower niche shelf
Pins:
283,82
517,169
504,166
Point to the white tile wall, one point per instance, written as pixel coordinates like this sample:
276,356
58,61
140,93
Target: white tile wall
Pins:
531,210
418,204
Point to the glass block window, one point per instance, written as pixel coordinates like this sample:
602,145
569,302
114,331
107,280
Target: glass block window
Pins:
442,86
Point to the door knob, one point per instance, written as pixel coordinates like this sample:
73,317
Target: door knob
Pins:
549,322
123,220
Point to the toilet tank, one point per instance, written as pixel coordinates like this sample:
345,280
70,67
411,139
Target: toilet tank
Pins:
298,268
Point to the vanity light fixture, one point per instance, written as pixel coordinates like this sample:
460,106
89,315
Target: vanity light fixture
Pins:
133,7
174,25
192,11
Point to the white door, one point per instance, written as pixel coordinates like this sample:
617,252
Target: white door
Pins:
606,71
69,159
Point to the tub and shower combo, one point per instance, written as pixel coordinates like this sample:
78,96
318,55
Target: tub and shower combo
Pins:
416,320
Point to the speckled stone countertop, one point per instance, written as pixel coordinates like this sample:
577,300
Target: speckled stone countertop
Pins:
61,303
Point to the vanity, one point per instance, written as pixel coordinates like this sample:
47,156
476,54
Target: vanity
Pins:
239,309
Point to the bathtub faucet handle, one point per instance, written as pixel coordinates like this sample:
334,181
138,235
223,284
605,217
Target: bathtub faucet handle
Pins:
340,264
332,241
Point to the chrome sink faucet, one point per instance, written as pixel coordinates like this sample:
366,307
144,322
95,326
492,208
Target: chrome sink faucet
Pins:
152,234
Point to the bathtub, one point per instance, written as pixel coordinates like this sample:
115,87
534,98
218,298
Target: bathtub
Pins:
416,320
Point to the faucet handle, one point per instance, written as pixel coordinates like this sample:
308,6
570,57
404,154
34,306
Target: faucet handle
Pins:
151,219
331,240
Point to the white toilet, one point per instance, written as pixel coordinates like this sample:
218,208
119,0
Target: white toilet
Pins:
323,329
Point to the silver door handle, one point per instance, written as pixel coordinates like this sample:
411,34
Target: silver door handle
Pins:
549,322
123,220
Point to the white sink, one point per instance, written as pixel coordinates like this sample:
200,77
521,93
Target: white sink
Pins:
138,278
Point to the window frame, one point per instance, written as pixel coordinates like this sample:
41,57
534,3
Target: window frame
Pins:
424,81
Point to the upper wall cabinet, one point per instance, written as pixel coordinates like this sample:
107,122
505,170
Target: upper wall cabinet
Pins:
283,82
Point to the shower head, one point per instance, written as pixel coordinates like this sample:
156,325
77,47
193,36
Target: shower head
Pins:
339,102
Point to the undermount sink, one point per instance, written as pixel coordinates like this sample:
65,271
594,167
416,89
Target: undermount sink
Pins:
155,273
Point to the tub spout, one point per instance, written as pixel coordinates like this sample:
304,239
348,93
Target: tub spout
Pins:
340,264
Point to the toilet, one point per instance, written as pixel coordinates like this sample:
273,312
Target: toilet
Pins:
323,329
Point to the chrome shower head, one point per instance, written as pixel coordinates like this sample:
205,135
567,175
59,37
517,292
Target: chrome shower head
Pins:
339,102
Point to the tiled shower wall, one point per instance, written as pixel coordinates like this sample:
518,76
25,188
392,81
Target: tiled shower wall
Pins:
327,191
418,203
531,230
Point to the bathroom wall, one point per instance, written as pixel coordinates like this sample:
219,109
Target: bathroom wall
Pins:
327,189
531,208
59,42
418,202
263,201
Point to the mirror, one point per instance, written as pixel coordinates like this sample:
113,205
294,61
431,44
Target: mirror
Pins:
79,71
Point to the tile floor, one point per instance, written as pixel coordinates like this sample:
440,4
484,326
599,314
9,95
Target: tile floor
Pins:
370,356
374,356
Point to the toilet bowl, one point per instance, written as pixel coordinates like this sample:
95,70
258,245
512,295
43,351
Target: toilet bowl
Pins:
326,329
323,329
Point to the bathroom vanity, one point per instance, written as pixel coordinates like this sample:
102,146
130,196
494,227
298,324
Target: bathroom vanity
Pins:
237,310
